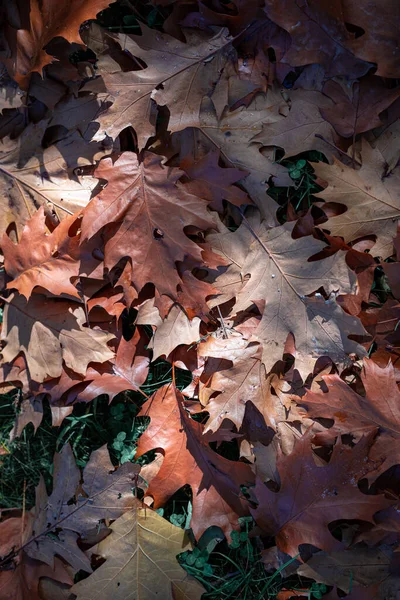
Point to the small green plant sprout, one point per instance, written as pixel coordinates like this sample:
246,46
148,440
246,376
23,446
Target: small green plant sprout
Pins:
296,170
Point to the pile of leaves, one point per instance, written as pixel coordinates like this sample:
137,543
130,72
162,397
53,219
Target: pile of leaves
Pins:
215,184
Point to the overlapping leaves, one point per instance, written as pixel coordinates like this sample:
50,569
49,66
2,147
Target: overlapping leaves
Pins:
136,224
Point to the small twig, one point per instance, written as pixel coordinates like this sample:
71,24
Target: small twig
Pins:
353,148
173,375
225,333
23,512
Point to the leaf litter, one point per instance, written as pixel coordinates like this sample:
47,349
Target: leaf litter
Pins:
200,287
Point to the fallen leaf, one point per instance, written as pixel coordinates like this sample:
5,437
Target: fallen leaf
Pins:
358,566
354,413
188,459
177,74
357,110
318,35
299,130
31,176
22,580
212,182
281,275
378,44
57,328
244,381
174,330
140,559
39,260
233,134
311,496
366,193
139,224
48,19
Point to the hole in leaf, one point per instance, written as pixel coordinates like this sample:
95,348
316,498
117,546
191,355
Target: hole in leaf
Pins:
271,55
158,234
358,31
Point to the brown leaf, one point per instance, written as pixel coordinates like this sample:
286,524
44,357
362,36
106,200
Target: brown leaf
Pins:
366,193
105,493
108,494
357,110
244,381
297,131
358,566
212,182
378,44
310,496
21,581
31,411
31,176
128,371
56,327
173,331
233,134
48,19
281,275
177,75
140,224
318,35
354,413
140,559
215,481
47,261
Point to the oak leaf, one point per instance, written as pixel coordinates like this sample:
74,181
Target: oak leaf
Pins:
140,559
145,212
392,270
318,35
371,198
301,130
353,413
245,380
104,493
188,459
233,134
127,371
177,74
386,140
281,275
22,580
48,19
358,566
31,176
49,332
379,41
311,496
359,111
108,494
47,261
213,183
171,332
